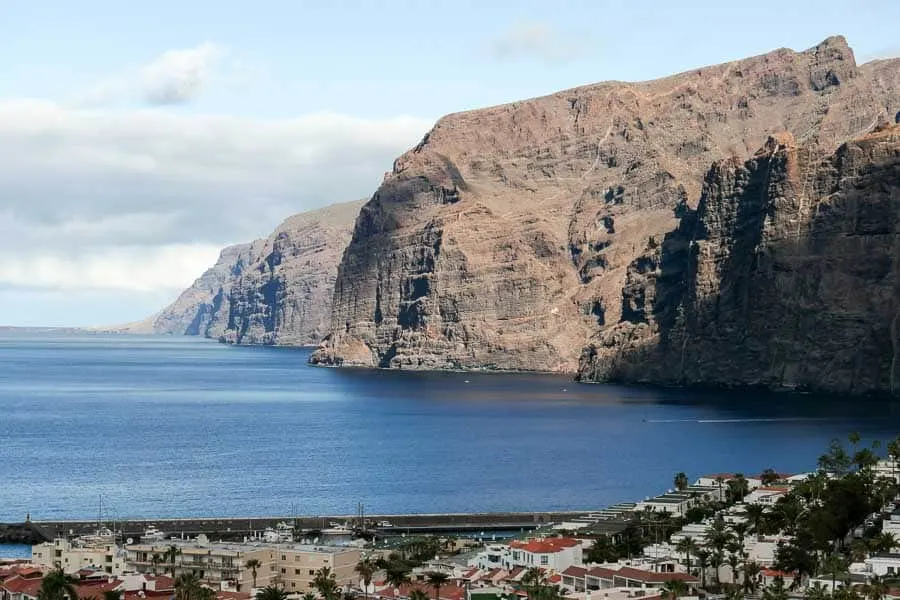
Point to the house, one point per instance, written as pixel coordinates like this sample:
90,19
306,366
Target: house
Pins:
447,592
573,578
768,576
717,479
767,495
551,554
95,552
18,587
892,524
884,564
605,578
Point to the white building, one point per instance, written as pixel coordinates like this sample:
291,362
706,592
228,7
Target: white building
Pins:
766,496
883,564
80,553
892,524
888,468
552,554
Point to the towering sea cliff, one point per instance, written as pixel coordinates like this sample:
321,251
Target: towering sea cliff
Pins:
275,290
524,236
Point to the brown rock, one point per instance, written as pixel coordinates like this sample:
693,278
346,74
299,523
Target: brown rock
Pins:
505,239
275,290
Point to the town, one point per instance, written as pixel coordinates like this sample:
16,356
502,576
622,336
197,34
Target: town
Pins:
830,533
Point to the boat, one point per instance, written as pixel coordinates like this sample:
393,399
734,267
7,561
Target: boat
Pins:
337,529
152,534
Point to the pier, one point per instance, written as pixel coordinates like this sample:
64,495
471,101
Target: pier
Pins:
237,528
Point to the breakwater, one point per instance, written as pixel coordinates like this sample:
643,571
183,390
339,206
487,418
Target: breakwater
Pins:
236,528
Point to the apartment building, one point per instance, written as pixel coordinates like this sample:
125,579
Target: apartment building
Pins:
80,553
291,566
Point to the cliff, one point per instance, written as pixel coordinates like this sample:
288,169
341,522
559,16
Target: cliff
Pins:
275,290
786,276
509,237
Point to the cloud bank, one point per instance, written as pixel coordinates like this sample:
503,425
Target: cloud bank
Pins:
536,41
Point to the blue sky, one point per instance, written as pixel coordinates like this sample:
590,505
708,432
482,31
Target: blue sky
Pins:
135,132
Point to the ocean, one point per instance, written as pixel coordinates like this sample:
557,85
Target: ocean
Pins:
177,427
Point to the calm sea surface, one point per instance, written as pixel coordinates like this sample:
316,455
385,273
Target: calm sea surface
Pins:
186,427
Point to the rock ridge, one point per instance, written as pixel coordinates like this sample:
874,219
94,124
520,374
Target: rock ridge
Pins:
513,237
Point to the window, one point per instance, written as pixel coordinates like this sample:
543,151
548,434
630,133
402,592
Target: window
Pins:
545,560
296,571
283,571
293,585
283,557
312,572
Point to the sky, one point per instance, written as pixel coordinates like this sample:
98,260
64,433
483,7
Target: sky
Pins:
139,138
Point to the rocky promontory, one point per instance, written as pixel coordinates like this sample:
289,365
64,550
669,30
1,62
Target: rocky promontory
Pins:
524,236
275,290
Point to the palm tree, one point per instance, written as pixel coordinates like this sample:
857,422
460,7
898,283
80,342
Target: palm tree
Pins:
702,556
366,568
883,542
776,591
674,589
876,589
768,477
171,555
755,515
253,564
733,561
436,579
325,582
187,587
57,585
112,595
687,546
418,594
833,565
681,481
396,577
738,487
270,592
751,572
309,596
740,531
156,560
816,592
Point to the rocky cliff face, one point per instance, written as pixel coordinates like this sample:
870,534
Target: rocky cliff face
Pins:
509,237
786,276
275,290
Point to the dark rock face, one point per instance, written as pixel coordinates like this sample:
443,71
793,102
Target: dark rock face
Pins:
272,291
516,236
786,276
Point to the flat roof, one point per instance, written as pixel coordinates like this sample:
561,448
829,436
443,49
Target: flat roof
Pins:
241,546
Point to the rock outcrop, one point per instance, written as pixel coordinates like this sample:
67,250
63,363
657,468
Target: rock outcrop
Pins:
786,276
510,236
275,290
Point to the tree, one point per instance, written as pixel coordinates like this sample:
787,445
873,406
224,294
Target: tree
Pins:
602,550
751,573
396,576
253,564
687,546
156,559
834,564
738,487
775,590
755,515
768,477
681,481
325,582
171,555
733,561
188,587
876,588
436,580
271,592
816,592
674,589
740,531
309,596
883,542
702,555
56,585
113,595
366,569
418,594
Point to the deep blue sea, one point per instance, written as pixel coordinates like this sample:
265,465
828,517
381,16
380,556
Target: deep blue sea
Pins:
164,427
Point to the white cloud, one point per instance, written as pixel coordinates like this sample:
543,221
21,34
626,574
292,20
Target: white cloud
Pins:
176,76
143,200
537,40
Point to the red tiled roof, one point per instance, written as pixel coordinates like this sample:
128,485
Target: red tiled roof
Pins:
574,571
18,585
139,595
516,572
545,545
232,595
555,579
716,475
96,589
601,573
775,573
163,582
448,592
651,577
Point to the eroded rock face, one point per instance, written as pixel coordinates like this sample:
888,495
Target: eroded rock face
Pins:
786,276
507,238
272,291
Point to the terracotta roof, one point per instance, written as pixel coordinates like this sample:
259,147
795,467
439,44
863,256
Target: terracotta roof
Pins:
545,545
95,590
448,592
775,573
162,582
516,572
651,577
574,571
233,595
143,595
601,573
18,585
555,579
